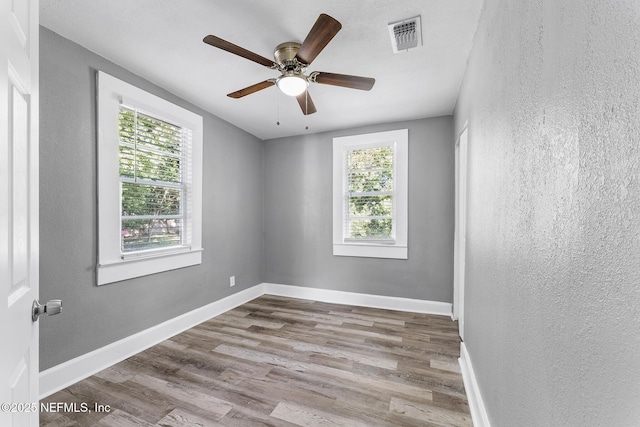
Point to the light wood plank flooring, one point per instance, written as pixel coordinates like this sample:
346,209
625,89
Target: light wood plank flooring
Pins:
279,361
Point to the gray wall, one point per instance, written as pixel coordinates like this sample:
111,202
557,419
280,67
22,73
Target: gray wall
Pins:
232,221
298,216
551,96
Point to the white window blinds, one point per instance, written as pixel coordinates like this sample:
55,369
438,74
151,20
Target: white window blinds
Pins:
155,182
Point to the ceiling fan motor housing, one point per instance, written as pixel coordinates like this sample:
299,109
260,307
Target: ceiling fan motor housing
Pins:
292,82
285,55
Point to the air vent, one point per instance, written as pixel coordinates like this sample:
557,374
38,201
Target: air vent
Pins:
406,34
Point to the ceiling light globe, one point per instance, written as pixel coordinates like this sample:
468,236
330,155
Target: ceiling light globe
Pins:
292,85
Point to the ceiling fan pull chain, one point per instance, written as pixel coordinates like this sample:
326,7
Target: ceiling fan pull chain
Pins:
277,108
306,109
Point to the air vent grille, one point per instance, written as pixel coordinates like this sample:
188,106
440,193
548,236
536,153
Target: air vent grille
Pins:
406,34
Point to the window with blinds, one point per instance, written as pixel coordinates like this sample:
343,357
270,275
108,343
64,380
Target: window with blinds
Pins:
155,182
149,183
369,193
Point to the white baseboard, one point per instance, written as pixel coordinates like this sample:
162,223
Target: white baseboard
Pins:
74,370
364,300
476,404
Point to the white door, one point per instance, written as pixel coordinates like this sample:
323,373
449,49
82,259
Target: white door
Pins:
460,231
18,211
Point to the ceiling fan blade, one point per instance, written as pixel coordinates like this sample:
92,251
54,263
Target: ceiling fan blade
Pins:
320,35
251,89
237,50
306,103
344,80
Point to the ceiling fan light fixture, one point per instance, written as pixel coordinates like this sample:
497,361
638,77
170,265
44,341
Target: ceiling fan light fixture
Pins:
292,85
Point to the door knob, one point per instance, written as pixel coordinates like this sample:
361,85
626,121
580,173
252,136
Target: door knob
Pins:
51,308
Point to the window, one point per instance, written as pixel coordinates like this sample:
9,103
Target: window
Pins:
155,182
149,183
368,209
370,174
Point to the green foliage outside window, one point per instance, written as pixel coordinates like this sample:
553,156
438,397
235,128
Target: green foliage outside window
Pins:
370,193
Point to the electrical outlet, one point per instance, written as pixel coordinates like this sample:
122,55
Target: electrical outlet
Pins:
232,281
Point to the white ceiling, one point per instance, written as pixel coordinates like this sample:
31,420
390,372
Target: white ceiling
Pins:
161,40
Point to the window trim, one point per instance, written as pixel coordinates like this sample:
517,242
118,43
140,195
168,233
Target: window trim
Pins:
343,246
111,265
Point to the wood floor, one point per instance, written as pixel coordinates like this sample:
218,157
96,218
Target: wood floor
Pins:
279,361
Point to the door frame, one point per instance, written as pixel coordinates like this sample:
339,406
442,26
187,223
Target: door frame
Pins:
460,235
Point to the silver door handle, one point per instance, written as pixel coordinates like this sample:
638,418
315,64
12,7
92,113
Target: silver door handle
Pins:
51,308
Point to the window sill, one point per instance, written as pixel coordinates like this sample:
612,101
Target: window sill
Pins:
370,250
123,269
154,253
370,242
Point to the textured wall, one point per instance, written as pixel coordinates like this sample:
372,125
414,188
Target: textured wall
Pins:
298,216
552,99
232,220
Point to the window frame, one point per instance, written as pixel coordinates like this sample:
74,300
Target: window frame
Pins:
396,248
113,265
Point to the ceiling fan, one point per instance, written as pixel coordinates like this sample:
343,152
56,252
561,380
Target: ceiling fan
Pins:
292,60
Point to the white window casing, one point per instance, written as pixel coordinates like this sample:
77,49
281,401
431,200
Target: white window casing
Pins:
115,263
390,244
